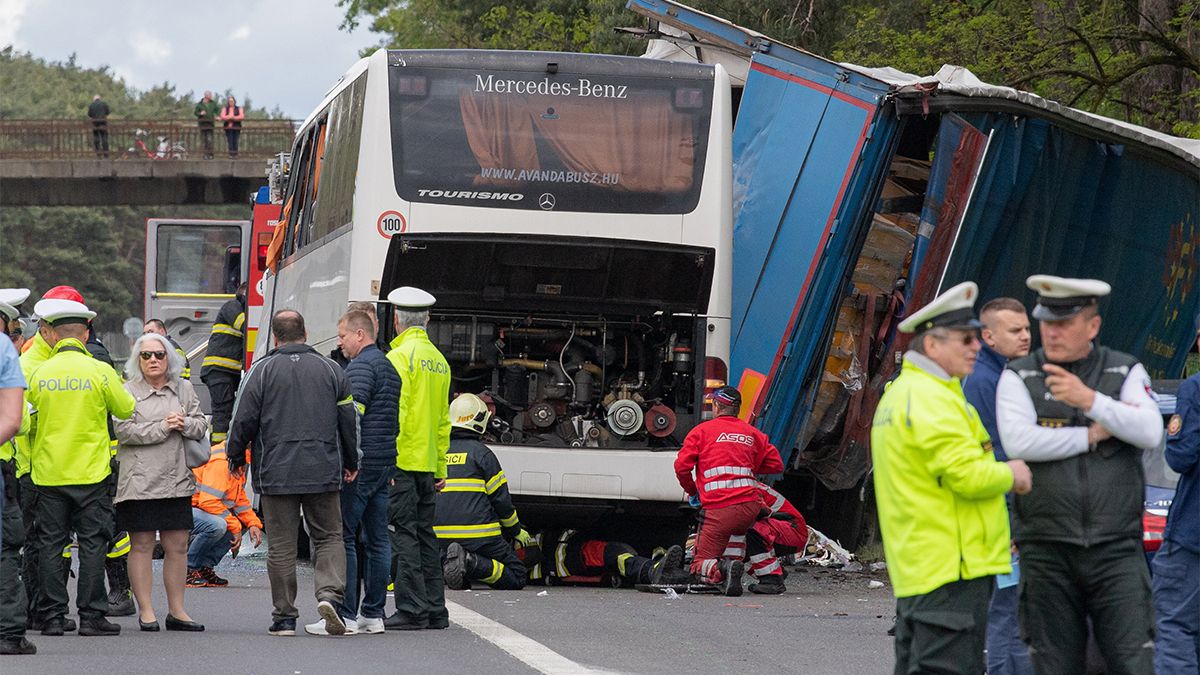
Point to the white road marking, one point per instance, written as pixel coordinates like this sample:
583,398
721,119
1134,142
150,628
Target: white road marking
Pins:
526,650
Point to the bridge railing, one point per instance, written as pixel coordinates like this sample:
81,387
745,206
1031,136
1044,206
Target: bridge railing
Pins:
72,139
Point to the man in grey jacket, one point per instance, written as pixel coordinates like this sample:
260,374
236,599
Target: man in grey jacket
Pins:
295,411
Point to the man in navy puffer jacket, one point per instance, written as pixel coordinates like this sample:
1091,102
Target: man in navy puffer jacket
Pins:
376,387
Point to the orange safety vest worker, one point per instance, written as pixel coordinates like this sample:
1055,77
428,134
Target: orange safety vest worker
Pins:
220,494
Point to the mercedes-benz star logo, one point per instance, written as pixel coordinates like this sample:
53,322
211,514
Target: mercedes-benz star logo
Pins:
546,201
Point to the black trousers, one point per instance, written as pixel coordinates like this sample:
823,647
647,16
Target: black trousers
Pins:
222,390
13,605
944,630
100,139
496,563
31,571
1063,584
86,510
419,587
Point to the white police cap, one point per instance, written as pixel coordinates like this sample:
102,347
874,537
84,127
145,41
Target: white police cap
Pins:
56,311
1060,298
409,297
953,309
10,299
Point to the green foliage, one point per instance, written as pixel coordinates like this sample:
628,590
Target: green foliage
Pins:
38,89
1129,59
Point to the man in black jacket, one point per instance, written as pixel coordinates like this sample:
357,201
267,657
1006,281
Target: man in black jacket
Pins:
1080,415
98,112
296,412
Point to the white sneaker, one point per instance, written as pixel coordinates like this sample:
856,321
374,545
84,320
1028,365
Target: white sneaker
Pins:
368,626
319,628
333,623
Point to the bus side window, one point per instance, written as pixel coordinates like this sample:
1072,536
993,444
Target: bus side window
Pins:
314,181
297,186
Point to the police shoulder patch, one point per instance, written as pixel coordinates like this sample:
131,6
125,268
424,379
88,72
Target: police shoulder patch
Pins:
1175,425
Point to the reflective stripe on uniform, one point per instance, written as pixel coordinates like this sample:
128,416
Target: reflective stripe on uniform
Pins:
621,560
226,329
241,509
467,531
362,409
777,500
736,483
218,436
119,547
732,470
463,485
222,362
66,551
346,401
240,320
497,571
496,481
767,570
510,521
209,490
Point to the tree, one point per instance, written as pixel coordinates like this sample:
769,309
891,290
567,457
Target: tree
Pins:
1137,60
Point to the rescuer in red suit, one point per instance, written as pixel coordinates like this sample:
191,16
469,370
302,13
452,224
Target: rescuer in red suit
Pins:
725,454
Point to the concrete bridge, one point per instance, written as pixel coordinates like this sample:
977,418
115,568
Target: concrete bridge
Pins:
54,163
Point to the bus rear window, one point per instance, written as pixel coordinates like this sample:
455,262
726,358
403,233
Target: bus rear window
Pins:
198,259
562,141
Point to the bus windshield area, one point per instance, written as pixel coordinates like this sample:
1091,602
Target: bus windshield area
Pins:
563,141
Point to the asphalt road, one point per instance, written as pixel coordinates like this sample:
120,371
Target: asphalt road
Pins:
827,622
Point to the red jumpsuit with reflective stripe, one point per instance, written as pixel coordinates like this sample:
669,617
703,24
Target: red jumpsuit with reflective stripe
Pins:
771,534
725,453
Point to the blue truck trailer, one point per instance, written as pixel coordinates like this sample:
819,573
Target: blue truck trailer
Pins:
860,192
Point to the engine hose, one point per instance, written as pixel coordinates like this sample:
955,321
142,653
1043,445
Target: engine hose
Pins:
533,364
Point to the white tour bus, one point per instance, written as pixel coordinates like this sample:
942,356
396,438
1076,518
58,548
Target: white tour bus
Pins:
572,215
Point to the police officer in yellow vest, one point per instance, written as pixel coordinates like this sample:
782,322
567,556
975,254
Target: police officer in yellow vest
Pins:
420,465
940,493
73,395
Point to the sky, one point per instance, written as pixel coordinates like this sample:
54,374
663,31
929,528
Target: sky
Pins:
283,53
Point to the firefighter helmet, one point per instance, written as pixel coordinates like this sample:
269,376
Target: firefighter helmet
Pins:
469,412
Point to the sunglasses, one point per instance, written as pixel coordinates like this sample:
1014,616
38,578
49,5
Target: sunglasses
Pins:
159,356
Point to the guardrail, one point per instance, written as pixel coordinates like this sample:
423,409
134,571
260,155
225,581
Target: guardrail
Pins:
72,139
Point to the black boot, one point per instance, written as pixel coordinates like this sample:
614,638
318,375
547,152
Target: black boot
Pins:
458,562
731,577
98,625
120,599
771,584
669,568
17,645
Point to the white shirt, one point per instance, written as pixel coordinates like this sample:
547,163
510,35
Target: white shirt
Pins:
1135,419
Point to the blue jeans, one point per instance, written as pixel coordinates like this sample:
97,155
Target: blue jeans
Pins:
1006,653
365,505
1177,604
210,539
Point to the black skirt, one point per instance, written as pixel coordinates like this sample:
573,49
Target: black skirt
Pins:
148,515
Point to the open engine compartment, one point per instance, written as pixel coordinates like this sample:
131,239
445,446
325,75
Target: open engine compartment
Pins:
601,382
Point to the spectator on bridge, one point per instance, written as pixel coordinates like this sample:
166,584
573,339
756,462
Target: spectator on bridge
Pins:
155,486
206,113
98,112
232,115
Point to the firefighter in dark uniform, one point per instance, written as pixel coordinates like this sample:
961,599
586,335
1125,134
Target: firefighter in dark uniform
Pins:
221,370
475,520
1080,414
13,604
73,395
561,554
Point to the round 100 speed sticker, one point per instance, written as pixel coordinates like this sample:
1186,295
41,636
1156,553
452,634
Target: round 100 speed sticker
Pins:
391,223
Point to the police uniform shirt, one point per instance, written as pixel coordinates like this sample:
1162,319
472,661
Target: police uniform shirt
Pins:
1135,419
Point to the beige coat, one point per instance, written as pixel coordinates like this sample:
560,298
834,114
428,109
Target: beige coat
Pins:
152,459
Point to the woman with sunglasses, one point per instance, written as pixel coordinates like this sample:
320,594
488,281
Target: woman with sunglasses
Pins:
155,487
